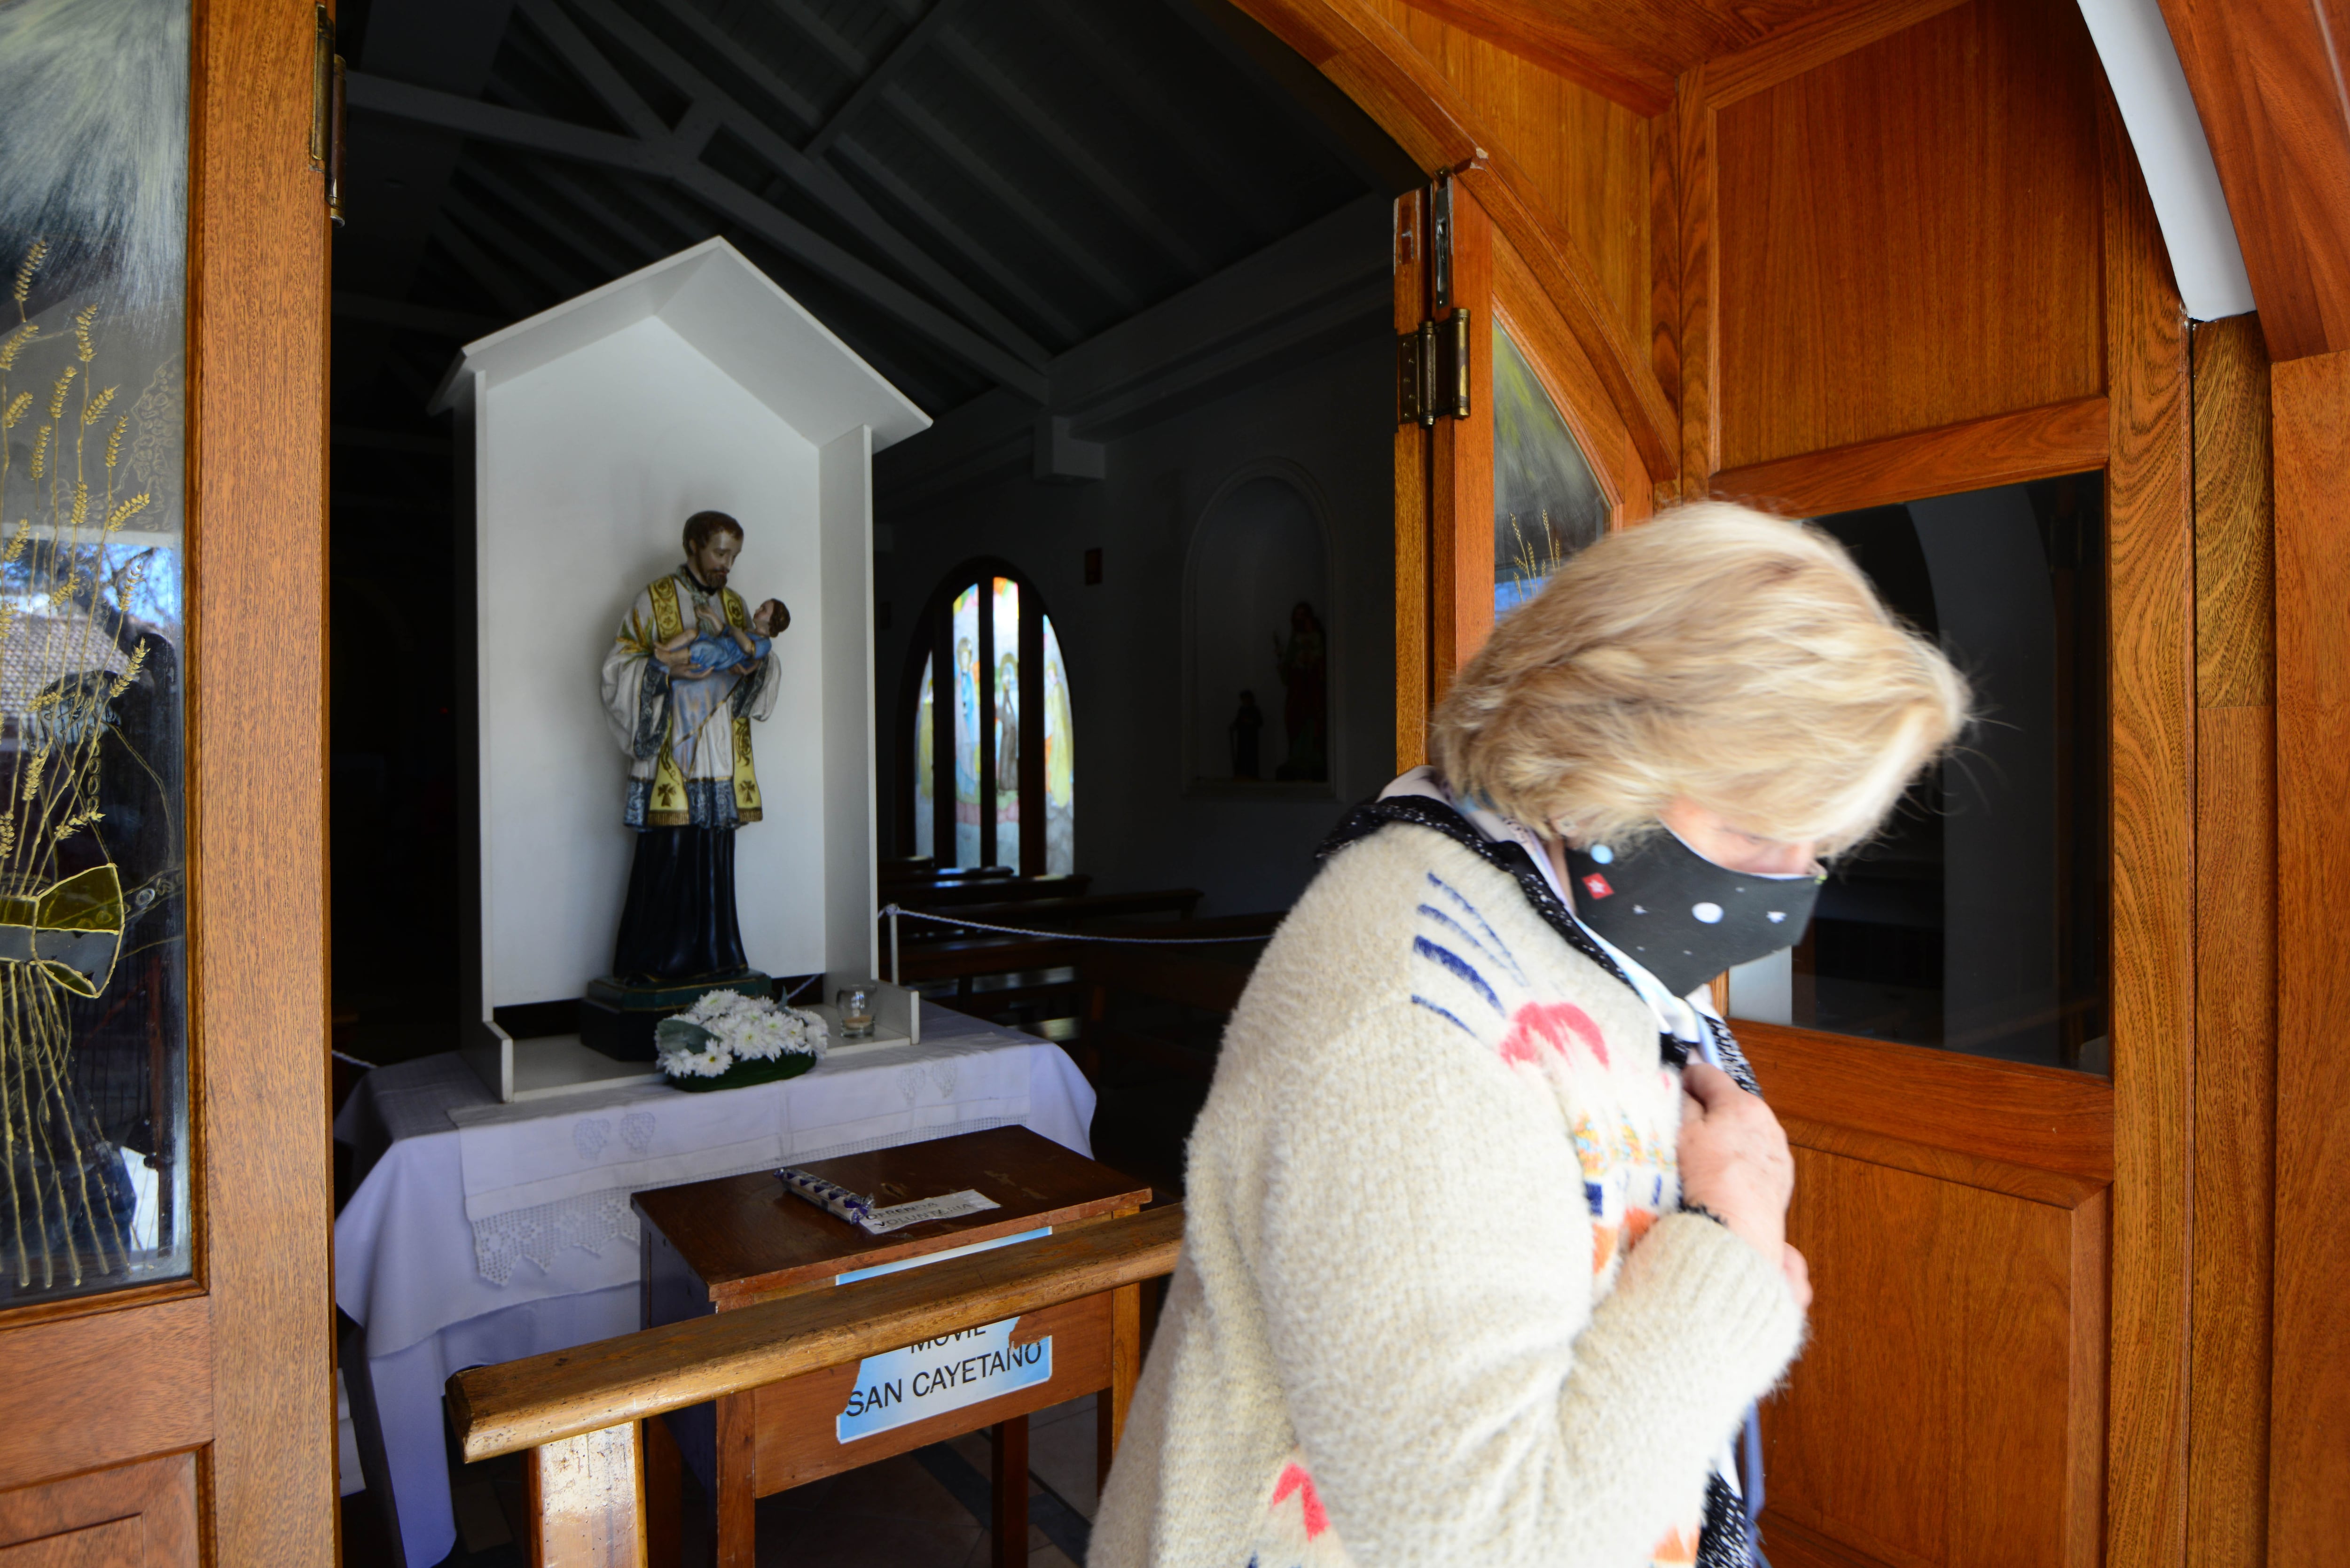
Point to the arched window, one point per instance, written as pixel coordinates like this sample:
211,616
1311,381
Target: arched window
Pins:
987,725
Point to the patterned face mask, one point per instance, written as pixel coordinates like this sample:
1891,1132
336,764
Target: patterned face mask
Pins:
1682,916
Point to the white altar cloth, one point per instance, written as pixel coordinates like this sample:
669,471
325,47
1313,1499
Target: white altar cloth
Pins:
439,1165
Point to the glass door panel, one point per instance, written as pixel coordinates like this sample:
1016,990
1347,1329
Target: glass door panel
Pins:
1547,503
95,1180
1977,921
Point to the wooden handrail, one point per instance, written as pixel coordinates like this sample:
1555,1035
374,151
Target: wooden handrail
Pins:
544,1399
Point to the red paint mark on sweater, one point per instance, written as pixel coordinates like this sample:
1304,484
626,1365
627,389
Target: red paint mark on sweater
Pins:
1542,1027
1295,1480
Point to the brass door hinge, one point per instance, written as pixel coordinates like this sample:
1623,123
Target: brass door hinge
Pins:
1433,361
1432,370
327,115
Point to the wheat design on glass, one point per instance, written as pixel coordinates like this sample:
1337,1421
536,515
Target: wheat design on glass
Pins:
72,650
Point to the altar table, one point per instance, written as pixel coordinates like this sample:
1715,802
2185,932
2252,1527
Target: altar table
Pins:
482,1232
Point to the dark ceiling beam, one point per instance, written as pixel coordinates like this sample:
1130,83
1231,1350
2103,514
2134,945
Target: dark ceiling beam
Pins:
514,128
1314,103
1230,179
2268,79
1070,148
596,240
368,94
796,103
988,178
462,326
566,273
484,269
819,32
821,183
960,241
587,63
883,76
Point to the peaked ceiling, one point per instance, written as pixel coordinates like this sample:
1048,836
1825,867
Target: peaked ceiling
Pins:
961,189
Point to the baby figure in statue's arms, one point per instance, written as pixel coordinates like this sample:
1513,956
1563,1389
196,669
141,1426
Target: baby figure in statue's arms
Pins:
729,645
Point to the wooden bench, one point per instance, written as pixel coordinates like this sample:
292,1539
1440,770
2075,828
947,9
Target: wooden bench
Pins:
577,1413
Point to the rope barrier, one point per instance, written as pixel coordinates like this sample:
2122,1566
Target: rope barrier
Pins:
894,910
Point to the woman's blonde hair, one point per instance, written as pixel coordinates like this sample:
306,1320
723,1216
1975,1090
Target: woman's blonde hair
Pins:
1714,653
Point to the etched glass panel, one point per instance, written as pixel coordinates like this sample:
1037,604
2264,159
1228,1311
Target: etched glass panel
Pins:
95,1178
1547,503
1005,729
925,765
963,629
1977,921
1060,762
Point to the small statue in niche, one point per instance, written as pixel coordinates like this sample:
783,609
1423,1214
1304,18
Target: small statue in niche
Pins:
1243,731
1306,701
691,669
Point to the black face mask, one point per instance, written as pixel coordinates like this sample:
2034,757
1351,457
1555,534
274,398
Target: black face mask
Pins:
1684,916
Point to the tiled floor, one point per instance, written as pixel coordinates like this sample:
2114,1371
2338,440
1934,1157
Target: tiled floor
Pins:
922,1509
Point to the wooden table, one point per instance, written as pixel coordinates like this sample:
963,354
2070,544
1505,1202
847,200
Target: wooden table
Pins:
718,1246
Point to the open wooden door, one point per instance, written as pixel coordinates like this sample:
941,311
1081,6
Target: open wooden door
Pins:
1509,454
165,1302
1985,1050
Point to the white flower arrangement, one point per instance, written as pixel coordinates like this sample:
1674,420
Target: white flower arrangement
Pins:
726,1027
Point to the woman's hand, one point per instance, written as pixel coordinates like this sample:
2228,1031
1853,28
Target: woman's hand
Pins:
1734,1162
1799,1276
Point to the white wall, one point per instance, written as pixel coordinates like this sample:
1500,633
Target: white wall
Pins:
1138,825
589,468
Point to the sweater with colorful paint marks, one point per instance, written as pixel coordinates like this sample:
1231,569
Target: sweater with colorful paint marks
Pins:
1435,1302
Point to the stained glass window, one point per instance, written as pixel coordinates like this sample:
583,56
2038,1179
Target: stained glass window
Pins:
965,623
1004,708
925,764
1547,503
1060,771
1006,727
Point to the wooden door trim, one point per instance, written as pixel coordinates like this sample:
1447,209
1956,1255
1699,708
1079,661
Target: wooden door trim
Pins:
1415,672
1374,64
2038,1118
2309,1471
257,767
2150,507
1975,454
149,1368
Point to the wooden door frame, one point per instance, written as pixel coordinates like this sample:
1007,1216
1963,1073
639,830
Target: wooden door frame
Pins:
234,1362
2139,431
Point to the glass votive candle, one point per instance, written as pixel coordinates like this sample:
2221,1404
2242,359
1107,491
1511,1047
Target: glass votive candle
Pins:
857,1002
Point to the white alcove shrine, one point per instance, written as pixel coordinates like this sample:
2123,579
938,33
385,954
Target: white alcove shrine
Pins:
586,435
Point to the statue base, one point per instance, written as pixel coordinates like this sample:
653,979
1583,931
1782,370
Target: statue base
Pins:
618,1017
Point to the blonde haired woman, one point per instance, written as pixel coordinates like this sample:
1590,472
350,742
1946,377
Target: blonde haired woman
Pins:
1484,1260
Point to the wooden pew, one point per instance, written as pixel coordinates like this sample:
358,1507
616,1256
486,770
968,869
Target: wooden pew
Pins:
989,890
1039,970
578,1412
1049,913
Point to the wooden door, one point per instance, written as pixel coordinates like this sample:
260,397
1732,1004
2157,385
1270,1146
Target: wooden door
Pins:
1510,455
1996,1206
1995,1191
165,1304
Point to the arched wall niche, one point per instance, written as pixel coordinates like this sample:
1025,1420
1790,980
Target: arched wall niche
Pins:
1262,547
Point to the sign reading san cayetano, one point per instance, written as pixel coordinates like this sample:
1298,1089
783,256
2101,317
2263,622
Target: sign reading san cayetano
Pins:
941,1375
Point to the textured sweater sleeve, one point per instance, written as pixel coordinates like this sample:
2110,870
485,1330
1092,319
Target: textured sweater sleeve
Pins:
1423,1257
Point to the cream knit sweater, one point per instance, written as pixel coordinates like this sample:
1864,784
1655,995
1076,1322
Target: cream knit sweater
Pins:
1436,1304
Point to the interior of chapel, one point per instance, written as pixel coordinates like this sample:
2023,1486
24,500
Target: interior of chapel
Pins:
665,664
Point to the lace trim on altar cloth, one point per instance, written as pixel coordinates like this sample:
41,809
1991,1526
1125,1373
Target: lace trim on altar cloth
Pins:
595,1221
